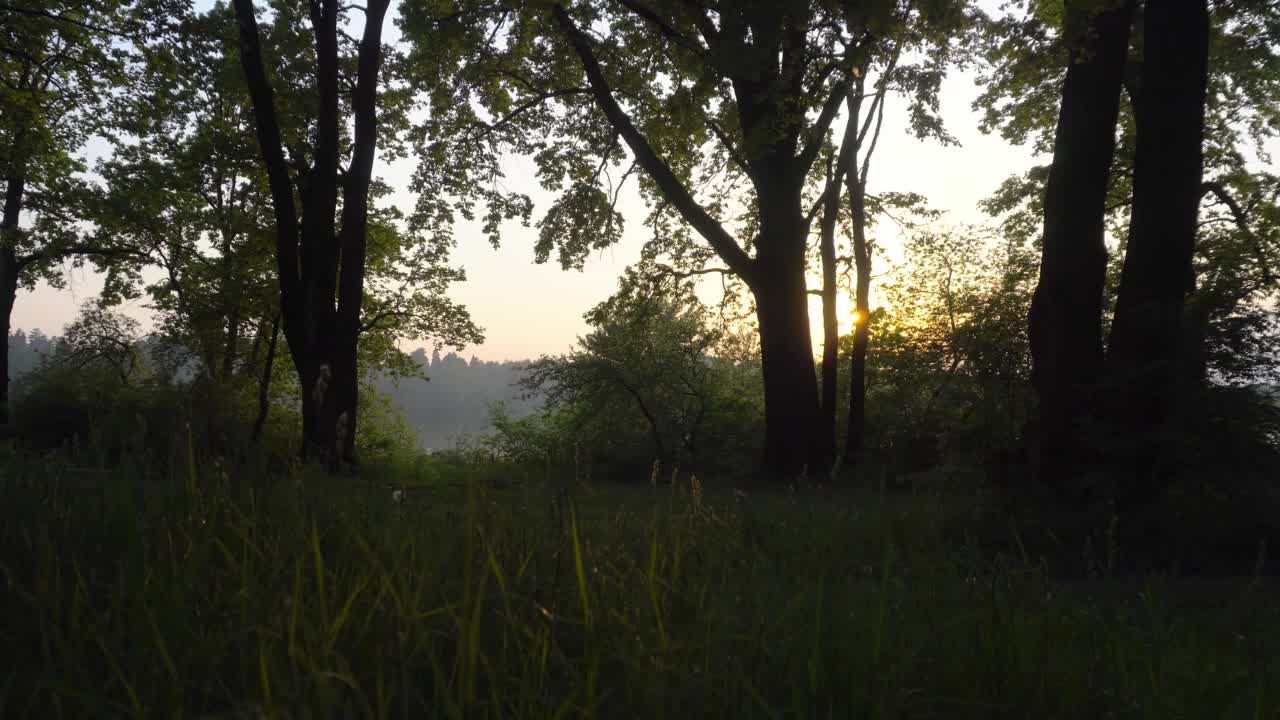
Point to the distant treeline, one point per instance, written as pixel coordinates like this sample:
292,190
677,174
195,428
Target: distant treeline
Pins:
26,351
454,401
453,404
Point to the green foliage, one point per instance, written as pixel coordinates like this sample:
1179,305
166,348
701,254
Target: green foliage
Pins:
383,430
516,87
646,384
80,398
948,369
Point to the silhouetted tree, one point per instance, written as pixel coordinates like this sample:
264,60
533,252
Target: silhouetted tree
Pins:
1143,353
1066,335
320,259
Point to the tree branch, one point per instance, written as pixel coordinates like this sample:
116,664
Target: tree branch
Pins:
59,17
818,133
52,254
727,142
262,98
372,324
702,20
663,26
1242,221
529,105
693,213
668,271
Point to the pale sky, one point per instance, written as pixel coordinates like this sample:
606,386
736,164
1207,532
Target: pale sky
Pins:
528,309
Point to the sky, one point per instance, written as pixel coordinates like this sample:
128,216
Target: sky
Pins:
528,309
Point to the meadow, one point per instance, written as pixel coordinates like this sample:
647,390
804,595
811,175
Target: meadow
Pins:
462,588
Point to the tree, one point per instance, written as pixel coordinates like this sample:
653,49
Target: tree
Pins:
1169,107
647,383
101,338
1066,339
1242,79
725,118
851,167
951,368
60,61
321,260
184,191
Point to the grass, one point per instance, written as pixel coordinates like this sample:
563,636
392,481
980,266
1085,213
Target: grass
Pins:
220,592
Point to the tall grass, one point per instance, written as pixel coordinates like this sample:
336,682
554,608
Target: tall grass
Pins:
220,592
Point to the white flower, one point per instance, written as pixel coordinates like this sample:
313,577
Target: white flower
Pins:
397,496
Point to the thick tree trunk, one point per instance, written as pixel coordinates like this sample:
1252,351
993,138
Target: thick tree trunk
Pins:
792,444
793,440
355,220
9,269
1066,310
1143,355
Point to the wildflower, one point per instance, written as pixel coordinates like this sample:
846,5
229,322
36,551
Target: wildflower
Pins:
397,496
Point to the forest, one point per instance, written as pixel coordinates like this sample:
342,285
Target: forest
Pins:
822,450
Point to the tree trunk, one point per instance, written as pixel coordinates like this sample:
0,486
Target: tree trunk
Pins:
855,433
264,383
830,323
355,221
9,269
232,344
8,294
793,442
790,385
856,184
1066,309
1143,356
